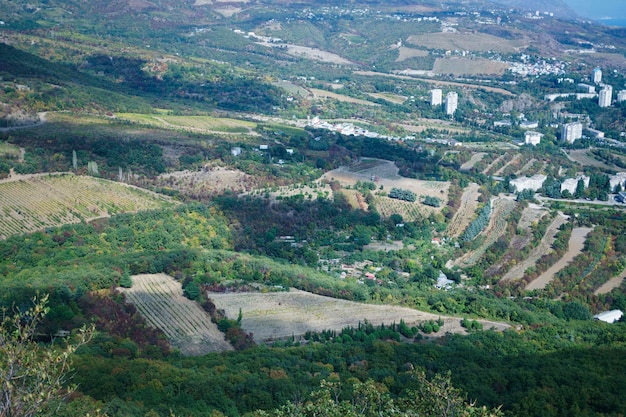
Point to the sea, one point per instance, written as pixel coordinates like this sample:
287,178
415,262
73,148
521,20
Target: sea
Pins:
613,22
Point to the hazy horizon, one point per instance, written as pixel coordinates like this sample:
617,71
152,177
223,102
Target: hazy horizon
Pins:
599,10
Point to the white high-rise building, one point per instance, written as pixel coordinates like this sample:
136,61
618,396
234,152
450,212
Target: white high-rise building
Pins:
621,96
605,97
435,97
571,132
596,75
452,101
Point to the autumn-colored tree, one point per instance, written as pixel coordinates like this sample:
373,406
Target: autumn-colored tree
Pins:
33,376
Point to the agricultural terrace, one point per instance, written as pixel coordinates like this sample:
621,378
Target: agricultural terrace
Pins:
159,298
463,216
575,247
549,237
310,53
33,202
502,207
205,124
390,97
276,315
405,53
611,284
476,157
385,173
477,42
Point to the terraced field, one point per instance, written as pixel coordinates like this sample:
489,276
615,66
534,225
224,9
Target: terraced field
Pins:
465,213
271,316
159,298
34,202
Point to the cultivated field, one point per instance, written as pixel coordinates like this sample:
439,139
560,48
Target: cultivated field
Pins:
476,157
341,97
575,247
309,53
518,271
207,124
272,316
502,207
159,298
405,53
392,98
385,173
208,181
465,214
586,158
466,66
477,42
611,284
33,202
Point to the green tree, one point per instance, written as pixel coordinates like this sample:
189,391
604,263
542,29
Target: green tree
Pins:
33,377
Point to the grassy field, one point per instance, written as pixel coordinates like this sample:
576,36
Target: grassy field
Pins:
8,149
271,316
466,66
385,174
199,123
159,298
33,202
477,42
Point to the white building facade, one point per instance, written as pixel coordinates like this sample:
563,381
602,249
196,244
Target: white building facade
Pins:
621,96
596,76
532,138
452,102
436,97
605,97
571,132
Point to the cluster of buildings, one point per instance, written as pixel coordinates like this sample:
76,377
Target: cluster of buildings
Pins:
450,103
350,129
535,182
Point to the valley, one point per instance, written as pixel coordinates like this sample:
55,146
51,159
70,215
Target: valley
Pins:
268,208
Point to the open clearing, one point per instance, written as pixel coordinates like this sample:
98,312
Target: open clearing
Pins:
476,157
392,98
309,53
405,53
501,208
278,315
465,214
576,245
33,202
207,124
385,173
477,42
340,97
467,66
208,181
159,298
585,158
611,284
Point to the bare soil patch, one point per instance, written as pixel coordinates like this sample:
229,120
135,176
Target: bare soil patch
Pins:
532,213
465,213
385,173
437,82
405,53
208,181
502,207
586,158
159,298
576,244
476,157
611,284
341,97
279,315
310,53
467,66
